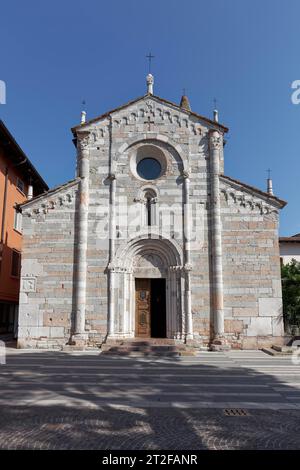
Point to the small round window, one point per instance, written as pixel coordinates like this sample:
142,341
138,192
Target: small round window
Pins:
149,168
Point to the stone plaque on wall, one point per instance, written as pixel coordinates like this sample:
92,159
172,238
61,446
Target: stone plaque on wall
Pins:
28,284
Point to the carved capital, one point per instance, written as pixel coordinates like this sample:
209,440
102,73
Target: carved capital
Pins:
188,267
119,269
176,268
83,140
185,174
215,140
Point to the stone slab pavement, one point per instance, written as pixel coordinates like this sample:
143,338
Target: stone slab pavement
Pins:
58,400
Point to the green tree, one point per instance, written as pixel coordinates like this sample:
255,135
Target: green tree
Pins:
290,274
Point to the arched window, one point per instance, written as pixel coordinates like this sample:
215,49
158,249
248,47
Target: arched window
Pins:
150,198
148,210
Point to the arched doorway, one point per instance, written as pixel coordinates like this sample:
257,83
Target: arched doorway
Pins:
150,273
148,299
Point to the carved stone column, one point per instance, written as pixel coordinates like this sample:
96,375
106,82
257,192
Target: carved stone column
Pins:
215,144
82,237
187,240
112,239
188,303
171,303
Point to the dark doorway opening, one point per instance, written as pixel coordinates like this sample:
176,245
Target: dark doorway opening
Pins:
8,318
158,308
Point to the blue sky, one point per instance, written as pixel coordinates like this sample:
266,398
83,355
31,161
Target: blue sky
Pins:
244,53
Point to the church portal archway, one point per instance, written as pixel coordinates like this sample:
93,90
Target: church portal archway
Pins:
149,298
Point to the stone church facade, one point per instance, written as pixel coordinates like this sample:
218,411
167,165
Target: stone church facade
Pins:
151,239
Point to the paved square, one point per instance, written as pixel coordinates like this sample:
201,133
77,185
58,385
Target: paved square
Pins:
53,400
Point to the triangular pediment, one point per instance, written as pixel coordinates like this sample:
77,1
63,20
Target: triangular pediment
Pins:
151,105
245,192
60,195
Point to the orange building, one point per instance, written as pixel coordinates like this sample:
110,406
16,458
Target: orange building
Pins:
19,181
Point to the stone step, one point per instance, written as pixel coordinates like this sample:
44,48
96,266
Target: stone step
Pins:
131,353
154,341
106,346
139,348
148,347
276,350
284,349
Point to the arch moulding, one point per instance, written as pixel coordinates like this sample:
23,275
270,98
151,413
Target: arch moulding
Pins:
162,140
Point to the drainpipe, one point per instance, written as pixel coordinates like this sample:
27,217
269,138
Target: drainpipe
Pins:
3,215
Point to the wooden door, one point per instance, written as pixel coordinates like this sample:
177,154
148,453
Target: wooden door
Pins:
142,308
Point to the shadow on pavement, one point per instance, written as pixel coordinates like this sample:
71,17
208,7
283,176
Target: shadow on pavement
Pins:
59,401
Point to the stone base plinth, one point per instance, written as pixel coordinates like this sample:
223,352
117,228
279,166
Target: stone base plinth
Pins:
79,341
220,343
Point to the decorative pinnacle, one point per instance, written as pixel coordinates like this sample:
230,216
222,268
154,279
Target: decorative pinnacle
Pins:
216,112
269,183
150,82
83,114
150,78
184,102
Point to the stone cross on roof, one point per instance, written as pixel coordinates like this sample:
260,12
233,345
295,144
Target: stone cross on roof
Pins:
150,57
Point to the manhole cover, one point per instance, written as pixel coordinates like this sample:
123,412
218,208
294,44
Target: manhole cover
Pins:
235,412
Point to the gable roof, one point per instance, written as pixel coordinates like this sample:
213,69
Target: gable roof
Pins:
54,190
266,196
17,156
293,239
148,95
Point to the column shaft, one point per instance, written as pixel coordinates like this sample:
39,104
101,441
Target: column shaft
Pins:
82,235
112,238
216,234
187,239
